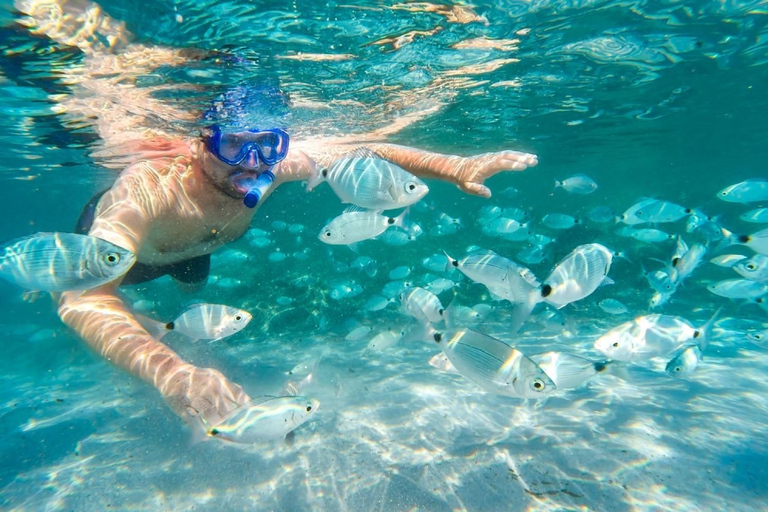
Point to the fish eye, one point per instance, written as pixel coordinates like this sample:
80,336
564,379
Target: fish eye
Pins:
327,233
639,213
751,266
410,186
537,385
309,408
678,369
757,336
238,317
615,344
112,258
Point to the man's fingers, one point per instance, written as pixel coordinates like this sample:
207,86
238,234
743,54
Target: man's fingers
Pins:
477,189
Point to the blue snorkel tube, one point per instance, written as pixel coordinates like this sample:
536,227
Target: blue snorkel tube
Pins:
258,189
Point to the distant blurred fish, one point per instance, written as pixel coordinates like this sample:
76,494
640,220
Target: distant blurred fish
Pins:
384,340
577,184
369,181
749,191
758,216
493,364
57,262
559,221
651,235
738,289
602,215
612,307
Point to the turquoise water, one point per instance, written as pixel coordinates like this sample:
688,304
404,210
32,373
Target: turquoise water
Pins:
650,99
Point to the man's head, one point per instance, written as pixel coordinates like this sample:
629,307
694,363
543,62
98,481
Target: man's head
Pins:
237,157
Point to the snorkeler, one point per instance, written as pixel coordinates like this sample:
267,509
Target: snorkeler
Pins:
182,200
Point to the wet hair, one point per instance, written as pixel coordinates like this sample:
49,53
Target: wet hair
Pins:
247,106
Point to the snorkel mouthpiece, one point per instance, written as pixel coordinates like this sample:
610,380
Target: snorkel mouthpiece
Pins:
258,189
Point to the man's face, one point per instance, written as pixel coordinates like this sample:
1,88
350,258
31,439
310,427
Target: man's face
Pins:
234,180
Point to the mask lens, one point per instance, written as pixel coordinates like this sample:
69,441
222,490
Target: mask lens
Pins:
231,146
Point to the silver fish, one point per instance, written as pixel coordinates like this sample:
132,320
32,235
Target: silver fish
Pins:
422,305
738,289
651,235
384,340
727,260
568,371
758,242
577,275
748,191
57,262
757,216
754,268
494,365
612,307
654,210
209,322
577,184
646,337
505,279
559,221
369,181
684,362
355,226
264,419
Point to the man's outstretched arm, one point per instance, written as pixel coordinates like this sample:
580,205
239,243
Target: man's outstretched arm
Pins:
468,173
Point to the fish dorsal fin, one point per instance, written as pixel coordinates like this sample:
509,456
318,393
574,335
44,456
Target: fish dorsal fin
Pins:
362,152
354,208
261,399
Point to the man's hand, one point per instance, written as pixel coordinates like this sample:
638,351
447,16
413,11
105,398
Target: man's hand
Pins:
473,171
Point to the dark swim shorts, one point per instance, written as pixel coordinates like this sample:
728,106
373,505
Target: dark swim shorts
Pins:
191,271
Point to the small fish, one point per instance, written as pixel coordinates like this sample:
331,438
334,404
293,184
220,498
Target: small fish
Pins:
384,340
358,333
651,235
506,228
568,371
559,221
684,362
754,268
688,262
738,289
488,213
264,419
658,299
377,303
612,307
577,275
505,279
655,211
364,179
647,337
704,224
395,288
304,368
422,305
355,226
602,215
493,364
757,216
203,322
442,363
397,237
57,262
461,316
577,184
439,284
532,255
727,260
749,191
345,290
399,272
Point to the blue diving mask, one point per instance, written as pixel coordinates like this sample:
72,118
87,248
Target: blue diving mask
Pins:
271,146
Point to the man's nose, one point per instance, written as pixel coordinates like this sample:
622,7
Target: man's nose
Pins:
252,159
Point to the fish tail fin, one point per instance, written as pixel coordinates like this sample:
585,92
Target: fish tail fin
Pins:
728,240
316,177
617,369
706,329
558,184
402,221
155,328
522,310
450,262
420,332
